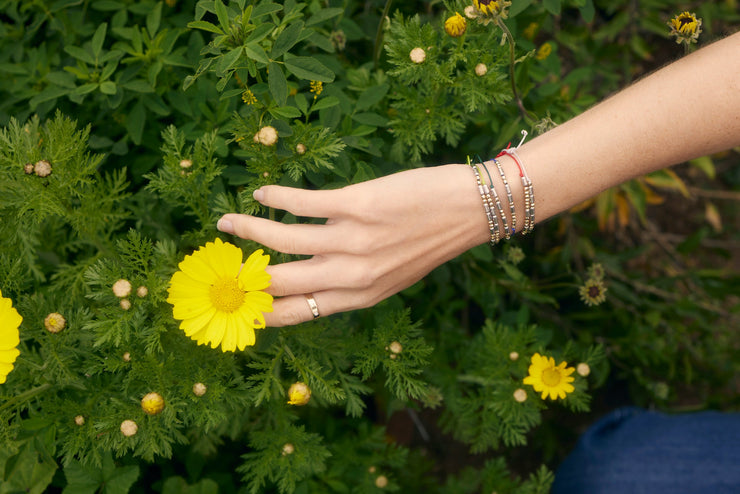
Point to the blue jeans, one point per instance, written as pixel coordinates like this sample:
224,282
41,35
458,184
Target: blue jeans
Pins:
632,451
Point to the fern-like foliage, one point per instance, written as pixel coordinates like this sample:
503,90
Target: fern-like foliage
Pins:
439,96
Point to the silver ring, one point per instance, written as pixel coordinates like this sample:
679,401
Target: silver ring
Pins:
312,304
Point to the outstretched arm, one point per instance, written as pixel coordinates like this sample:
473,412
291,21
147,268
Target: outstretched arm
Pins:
383,235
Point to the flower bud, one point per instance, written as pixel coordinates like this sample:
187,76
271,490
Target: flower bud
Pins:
42,168
418,55
80,420
142,291
129,428
152,403
381,481
288,449
300,148
125,304
299,394
28,168
481,70
395,347
583,369
186,163
122,288
520,395
514,356
54,322
199,389
267,136
456,25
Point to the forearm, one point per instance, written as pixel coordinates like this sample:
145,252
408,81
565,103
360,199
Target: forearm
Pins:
685,110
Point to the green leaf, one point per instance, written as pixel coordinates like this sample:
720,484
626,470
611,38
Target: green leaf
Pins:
309,68
109,479
588,11
138,85
135,122
26,472
519,7
108,70
259,34
229,60
80,54
63,79
370,118
50,93
371,96
323,103
178,485
265,8
323,15
255,52
552,6
108,87
285,112
223,15
301,103
278,84
153,19
105,5
205,26
706,165
287,39
98,39
86,88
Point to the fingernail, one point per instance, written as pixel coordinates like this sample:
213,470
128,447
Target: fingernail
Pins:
225,226
258,195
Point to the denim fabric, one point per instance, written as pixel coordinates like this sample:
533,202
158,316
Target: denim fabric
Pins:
635,451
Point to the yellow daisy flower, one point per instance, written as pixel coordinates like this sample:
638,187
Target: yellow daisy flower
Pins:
218,299
10,320
493,8
548,378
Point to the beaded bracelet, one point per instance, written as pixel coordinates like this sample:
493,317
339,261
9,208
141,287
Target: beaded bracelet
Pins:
526,184
510,197
487,206
499,207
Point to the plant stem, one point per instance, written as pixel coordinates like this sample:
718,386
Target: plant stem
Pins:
26,395
507,34
379,34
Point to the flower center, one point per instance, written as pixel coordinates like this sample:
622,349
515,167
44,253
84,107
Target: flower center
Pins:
594,291
686,24
226,295
551,377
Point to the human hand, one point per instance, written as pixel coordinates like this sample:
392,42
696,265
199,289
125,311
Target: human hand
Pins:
380,237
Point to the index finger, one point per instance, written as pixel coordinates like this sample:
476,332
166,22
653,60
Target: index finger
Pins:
302,202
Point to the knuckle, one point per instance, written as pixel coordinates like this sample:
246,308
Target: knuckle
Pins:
270,194
364,277
360,243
